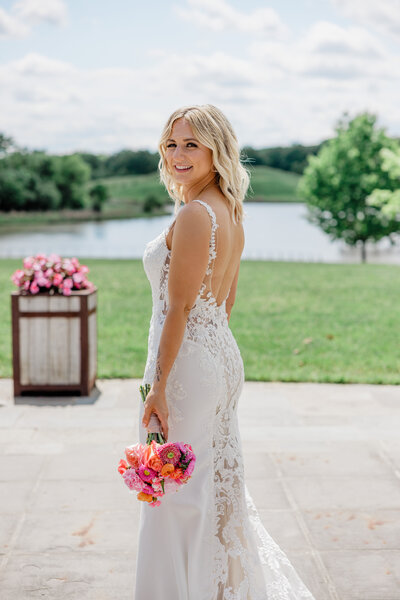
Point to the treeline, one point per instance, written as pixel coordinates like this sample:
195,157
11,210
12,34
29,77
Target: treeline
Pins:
125,162
38,181
288,158
140,162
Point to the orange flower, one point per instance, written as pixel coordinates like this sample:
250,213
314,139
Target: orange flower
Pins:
177,474
155,463
145,497
167,469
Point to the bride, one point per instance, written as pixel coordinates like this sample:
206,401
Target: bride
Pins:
205,542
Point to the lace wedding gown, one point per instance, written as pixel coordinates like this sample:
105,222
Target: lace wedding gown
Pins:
205,541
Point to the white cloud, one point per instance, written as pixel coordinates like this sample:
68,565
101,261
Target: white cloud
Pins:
382,15
329,52
27,13
10,26
36,11
219,15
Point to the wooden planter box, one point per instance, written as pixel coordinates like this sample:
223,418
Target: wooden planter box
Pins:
54,341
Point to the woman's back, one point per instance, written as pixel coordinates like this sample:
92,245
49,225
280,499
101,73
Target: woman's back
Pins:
227,248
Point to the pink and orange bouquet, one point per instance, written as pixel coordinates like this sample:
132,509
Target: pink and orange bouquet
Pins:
51,274
156,468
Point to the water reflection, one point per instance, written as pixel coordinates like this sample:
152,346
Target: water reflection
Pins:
273,231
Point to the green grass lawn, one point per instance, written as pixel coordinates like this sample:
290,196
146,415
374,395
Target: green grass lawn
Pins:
272,185
128,193
292,321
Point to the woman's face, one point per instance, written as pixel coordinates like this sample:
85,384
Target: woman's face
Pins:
184,150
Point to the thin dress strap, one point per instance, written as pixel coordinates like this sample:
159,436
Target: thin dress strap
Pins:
214,225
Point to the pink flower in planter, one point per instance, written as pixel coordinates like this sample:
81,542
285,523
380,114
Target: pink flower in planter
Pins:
52,272
43,281
34,288
28,262
18,276
78,277
57,279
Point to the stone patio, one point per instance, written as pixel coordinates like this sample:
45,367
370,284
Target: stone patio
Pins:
322,462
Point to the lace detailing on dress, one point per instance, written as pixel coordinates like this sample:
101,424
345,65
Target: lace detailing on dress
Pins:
205,291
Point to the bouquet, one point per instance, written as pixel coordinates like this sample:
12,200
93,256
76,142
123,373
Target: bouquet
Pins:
51,273
156,468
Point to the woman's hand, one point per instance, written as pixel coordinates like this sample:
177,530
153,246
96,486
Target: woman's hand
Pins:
156,402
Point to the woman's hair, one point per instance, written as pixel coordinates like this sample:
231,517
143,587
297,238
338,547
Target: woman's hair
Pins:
211,128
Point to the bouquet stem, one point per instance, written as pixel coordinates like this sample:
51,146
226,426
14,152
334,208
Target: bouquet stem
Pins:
157,436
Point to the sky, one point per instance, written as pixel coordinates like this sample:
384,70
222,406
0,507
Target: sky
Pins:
99,76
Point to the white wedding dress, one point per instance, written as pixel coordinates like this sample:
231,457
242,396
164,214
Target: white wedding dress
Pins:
205,541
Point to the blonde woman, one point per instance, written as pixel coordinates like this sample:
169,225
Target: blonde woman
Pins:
205,542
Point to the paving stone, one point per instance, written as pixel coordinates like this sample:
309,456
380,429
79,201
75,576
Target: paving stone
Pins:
86,462
69,576
20,467
267,493
14,496
80,530
338,492
343,459
349,529
364,575
92,495
283,526
259,464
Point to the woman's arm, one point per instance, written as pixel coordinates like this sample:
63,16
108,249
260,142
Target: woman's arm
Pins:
188,264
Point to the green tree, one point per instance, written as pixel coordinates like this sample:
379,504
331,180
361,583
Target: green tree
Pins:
337,182
98,194
71,176
388,200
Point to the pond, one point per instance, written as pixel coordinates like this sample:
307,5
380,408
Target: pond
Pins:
273,231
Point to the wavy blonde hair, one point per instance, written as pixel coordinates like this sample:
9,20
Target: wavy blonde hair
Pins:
211,128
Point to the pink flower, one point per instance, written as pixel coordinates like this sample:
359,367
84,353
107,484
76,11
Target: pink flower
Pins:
26,285
190,467
28,262
147,474
134,454
169,453
43,281
68,282
78,277
34,287
132,480
18,276
66,291
57,279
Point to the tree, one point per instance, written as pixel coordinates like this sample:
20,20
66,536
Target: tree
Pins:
387,200
337,182
71,175
99,195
